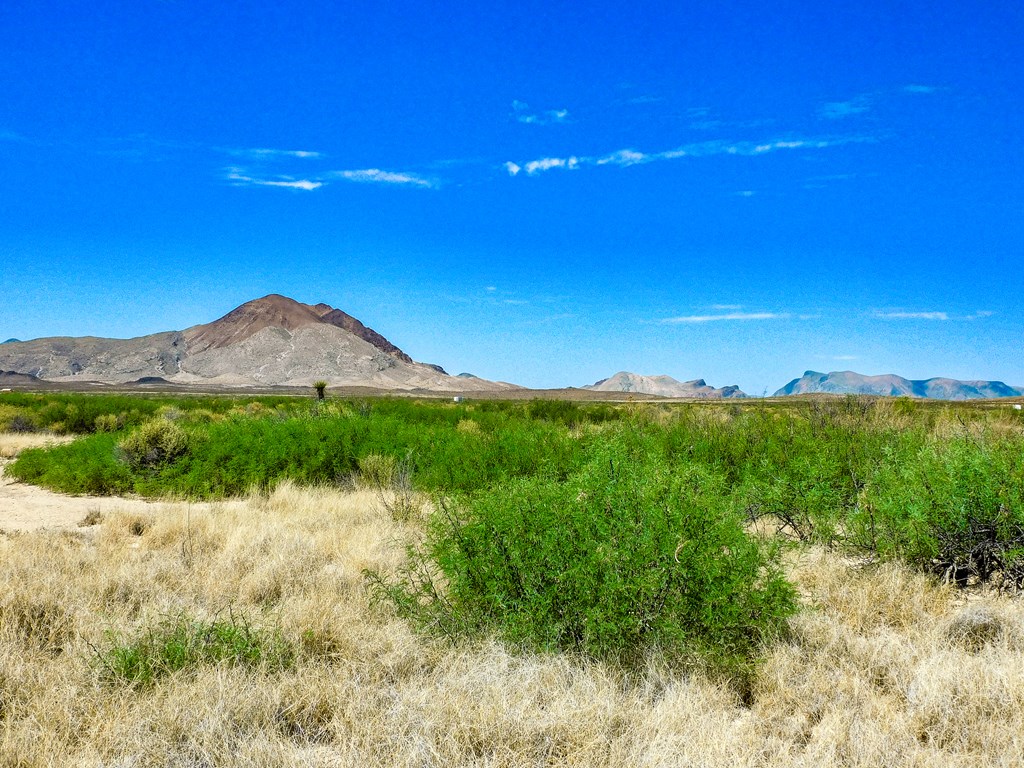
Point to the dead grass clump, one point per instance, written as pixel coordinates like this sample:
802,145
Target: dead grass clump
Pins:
981,625
36,625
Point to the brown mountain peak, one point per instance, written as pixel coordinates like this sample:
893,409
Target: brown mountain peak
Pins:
277,311
242,322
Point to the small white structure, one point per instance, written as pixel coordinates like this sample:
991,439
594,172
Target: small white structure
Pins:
1017,406
458,399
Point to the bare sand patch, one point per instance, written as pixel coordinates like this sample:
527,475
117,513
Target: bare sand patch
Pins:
28,508
13,443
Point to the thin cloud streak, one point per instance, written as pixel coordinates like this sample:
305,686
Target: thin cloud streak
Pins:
238,178
275,153
522,113
911,315
627,157
728,316
378,176
836,110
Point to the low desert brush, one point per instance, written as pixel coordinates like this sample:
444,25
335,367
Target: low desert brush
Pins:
618,561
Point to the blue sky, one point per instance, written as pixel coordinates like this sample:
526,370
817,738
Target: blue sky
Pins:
543,193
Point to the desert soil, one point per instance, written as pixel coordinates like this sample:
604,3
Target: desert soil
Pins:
27,508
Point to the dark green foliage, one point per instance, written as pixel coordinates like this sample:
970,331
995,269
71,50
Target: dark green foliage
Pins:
572,414
182,643
850,472
78,413
622,558
86,466
955,508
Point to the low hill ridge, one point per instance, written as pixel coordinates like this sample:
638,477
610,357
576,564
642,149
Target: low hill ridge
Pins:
662,386
891,385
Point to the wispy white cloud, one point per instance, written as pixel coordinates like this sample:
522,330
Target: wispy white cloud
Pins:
377,176
727,316
836,110
239,178
523,114
491,288
727,306
629,156
981,313
623,157
911,315
543,164
844,357
914,88
746,193
271,154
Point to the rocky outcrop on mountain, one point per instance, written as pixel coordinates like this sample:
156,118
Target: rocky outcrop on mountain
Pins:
890,385
13,377
267,342
662,386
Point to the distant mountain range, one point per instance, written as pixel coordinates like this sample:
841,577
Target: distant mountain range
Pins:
277,341
890,385
662,386
266,342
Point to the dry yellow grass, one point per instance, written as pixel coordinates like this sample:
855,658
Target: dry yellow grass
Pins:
12,443
882,669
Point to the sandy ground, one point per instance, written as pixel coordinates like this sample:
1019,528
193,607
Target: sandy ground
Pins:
26,507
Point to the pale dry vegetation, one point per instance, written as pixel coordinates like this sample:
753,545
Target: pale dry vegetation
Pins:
13,443
883,667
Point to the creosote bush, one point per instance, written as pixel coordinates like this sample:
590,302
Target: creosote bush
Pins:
954,508
154,444
622,559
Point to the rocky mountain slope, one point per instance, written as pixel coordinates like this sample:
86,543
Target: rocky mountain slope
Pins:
890,385
662,386
267,342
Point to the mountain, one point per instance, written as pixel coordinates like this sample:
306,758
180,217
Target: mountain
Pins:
662,386
266,342
890,385
9,341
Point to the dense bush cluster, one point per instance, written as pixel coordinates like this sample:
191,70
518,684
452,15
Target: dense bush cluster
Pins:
604,530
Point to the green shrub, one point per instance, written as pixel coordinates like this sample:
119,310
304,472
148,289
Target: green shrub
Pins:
107,422
154,444
87,465
953,508
14,419
182,643
622,559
